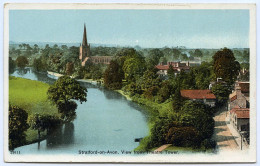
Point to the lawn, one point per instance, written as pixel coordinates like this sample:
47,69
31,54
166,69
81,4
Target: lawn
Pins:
32,97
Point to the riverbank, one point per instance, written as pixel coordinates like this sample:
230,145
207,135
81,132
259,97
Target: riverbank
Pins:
31,96
54,74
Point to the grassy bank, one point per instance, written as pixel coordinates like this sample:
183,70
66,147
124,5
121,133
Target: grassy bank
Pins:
32,97
154,111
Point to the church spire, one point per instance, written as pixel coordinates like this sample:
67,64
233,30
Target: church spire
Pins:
85,41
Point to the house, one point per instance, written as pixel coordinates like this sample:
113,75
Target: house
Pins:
177,67
239,111
240,118
240,96
205,96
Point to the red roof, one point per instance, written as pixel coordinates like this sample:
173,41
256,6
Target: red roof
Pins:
242,113
198,94
162,67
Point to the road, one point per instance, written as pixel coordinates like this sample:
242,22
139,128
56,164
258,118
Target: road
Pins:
225,140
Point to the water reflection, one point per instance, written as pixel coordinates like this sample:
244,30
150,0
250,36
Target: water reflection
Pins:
68,134
23,71
61,136
32,75
111,95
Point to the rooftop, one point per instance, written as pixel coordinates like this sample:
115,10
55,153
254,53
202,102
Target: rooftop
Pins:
198,94
242,113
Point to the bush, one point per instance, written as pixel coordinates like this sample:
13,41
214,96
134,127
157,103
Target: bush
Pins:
151,92
183,136
17,126
208,144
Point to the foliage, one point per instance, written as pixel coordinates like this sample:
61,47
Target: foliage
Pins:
149,79
165,91
43,122
226,66
153,58
151,92
40,64
197,53
11,65
22,61
133,88
246,56
176,54
170,72
221,91
203,75
17,126
208,144
177,101
62,92
183,136
200,116
133,68
69,68
113,76
159,132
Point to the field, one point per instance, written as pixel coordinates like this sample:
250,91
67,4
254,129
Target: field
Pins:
32,97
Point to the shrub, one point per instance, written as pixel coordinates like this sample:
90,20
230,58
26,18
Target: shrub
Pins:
183,136
17,126
208,144
151,92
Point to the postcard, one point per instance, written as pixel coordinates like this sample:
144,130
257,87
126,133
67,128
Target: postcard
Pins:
130,83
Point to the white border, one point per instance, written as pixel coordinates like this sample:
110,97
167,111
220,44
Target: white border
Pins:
223,157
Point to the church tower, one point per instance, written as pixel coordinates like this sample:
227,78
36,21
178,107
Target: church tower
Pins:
84,49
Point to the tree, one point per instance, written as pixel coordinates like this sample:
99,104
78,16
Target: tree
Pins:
246,56
43,122
185,136
69,68
203,75
63,92
132,68
113,76
153,58
170,72
184,57
17,126
21,61
176,54
35,48
177,101
226,66
165,91
221,91
39,64
197,53
149,79
11,65
200,116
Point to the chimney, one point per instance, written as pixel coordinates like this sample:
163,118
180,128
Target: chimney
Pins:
238,90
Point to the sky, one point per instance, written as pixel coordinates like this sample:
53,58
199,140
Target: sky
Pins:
146,28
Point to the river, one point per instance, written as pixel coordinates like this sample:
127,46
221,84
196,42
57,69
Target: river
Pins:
107,121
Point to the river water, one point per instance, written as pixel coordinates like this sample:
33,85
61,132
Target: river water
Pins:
107,121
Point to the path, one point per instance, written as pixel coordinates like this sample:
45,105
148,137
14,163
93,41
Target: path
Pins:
161,148
225,140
